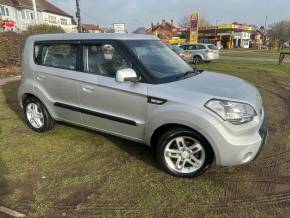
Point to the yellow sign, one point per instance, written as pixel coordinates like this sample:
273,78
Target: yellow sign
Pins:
177,41
194,24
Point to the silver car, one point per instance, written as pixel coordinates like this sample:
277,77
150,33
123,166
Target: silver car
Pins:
202,52
135,87
185,55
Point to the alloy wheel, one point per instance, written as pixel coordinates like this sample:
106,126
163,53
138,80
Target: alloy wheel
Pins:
184,154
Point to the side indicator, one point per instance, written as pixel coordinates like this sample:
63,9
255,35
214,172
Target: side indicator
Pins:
159,101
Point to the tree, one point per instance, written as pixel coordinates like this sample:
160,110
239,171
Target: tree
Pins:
185,21
280,32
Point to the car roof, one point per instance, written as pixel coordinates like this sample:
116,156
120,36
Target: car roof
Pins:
91,36
198,44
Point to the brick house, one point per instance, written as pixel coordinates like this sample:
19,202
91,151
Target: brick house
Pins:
164,30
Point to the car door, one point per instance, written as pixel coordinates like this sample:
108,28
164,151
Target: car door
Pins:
110,106
55,78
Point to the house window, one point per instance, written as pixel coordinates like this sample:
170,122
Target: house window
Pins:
7,11
2,11
31,16
27,15
23,15
63,21
51,19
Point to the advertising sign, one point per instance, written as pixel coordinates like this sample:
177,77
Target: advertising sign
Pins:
194,24
119,27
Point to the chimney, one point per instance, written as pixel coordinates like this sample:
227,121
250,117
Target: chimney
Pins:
171,22
163,22
152,26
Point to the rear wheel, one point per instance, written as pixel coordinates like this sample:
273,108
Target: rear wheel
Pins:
197,60
36,115
184,153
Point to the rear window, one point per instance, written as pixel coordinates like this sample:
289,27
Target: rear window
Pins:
212,47
199,47
62,56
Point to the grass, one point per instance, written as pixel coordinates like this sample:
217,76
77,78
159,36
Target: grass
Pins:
269,54
79,173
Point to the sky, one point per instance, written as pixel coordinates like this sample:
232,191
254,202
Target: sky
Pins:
138,13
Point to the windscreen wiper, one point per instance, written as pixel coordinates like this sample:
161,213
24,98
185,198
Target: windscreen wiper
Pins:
193,72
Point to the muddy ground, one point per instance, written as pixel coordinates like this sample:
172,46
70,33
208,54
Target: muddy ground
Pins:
91,183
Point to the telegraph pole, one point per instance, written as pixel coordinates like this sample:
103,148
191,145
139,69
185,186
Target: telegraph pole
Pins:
35,11
78,15
266,21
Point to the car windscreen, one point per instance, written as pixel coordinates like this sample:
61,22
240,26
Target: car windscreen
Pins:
161,62
212,47
176,49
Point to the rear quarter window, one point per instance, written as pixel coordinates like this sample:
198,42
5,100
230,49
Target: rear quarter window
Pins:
212,47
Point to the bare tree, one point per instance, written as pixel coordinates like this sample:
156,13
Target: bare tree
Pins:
280,32
185,21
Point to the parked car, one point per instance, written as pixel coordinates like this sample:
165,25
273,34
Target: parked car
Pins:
264,47
135,87
186,56
202,52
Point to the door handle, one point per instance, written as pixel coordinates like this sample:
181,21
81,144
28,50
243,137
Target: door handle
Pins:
89,89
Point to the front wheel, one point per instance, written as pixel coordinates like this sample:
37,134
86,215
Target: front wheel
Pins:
184,153
197,60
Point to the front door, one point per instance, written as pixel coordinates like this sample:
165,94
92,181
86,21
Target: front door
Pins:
110,106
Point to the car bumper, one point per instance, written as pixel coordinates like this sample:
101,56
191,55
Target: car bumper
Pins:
238,146
211,57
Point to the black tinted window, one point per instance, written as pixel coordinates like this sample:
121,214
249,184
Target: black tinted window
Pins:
60,56
200,47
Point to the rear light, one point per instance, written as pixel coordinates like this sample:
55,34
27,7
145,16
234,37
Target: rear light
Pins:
208,50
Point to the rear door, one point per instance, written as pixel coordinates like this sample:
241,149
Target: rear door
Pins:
114,107
56,78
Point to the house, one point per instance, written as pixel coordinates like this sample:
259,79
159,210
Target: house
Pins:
164,30
91,28
20,15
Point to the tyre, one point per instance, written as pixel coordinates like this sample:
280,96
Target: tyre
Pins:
197,60
184,153
36,115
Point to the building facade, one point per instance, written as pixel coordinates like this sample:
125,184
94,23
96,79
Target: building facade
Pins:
228,35
18,15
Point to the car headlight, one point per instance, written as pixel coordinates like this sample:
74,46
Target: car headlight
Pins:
234,112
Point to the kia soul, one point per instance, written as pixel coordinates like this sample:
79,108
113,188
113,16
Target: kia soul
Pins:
135,87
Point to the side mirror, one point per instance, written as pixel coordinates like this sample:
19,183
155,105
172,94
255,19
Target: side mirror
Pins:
127,74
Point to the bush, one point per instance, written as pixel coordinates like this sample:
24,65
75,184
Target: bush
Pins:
11,44
44,28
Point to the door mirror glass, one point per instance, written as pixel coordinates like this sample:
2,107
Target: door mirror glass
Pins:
127,74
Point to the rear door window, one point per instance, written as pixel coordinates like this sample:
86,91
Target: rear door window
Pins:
192,47
200,47
62,56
